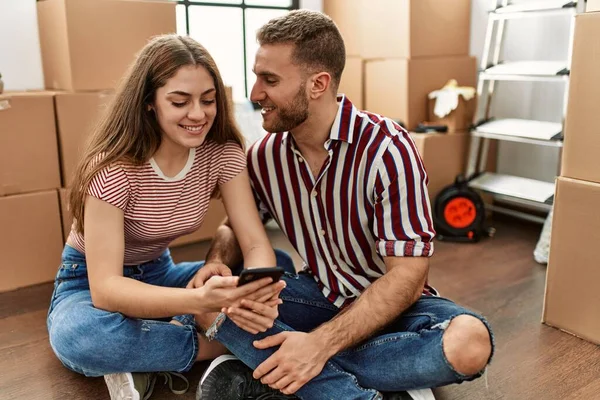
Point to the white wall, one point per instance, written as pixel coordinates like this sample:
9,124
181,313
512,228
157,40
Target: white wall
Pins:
526,39
20,58
316,5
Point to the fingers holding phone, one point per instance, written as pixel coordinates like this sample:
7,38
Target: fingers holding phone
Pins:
254,317
257,311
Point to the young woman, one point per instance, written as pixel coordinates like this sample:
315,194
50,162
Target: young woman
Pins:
166,144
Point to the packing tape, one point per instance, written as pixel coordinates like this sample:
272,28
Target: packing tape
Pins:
4,104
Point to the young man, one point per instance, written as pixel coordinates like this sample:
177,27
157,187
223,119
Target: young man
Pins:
348,188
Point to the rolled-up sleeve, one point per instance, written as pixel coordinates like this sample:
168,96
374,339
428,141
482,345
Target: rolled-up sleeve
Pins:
402,222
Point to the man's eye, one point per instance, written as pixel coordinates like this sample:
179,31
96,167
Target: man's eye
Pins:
271,81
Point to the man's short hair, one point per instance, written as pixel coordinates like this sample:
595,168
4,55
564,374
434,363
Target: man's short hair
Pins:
318,43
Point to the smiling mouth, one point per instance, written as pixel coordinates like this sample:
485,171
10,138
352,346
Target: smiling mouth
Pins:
266,110
193,128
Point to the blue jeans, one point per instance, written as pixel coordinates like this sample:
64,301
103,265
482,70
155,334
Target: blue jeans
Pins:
408,354
96,342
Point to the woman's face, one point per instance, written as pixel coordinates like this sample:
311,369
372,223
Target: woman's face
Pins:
186,106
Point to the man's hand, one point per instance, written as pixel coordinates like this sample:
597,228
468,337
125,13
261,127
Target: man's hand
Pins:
206,272
300,358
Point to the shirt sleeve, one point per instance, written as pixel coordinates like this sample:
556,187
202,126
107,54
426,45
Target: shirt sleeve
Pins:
111,185
402,222
232,162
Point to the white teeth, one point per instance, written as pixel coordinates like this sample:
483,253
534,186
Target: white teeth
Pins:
266,109
192,128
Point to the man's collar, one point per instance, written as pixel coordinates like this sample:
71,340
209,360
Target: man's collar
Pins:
343,125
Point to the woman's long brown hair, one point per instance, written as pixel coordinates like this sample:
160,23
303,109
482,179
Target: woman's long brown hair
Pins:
128,132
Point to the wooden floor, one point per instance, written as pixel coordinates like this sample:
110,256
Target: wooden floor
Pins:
496,277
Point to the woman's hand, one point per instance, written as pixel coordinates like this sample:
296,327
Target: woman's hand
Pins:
253,316
257,311
219,292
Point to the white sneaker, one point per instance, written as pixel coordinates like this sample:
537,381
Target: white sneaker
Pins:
421,394
140,385
121,386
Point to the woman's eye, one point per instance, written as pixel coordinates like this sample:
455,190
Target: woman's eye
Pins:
179,104
207,102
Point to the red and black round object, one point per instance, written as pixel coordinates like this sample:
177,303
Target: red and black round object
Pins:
459,213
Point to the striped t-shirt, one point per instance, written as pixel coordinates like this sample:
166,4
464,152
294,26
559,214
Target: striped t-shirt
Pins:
369,200
158,209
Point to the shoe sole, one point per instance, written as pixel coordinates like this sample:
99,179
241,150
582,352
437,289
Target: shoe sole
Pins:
121,387
421,394
214,364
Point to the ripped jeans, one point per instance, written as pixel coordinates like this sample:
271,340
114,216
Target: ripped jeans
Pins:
408,354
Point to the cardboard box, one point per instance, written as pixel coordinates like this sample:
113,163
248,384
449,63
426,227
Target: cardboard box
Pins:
580,158
352,81
398,88
444,157
214,216
415,28
77,115
28,148
347,16
459,120
30,240
592,6
572,297
88,45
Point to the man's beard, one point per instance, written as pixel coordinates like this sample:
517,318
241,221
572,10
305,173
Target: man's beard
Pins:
290,116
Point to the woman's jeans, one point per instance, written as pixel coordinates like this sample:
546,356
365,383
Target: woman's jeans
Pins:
95,342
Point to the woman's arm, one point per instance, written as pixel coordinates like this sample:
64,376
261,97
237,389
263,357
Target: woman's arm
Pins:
245,222
111,291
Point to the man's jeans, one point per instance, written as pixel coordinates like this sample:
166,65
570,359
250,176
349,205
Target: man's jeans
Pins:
95,342
406,355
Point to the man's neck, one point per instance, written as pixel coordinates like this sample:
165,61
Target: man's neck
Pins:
311,135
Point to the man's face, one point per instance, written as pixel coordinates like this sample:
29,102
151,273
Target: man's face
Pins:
280,88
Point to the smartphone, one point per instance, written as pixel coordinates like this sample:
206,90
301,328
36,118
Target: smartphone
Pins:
253,274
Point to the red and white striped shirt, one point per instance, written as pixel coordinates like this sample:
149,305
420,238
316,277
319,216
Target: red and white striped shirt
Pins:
159,209
369,201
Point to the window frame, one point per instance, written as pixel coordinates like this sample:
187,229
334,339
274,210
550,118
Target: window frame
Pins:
295,4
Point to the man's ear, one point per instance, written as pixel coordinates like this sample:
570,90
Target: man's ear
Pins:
320,84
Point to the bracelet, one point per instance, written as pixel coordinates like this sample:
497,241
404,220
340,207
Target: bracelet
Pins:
211,332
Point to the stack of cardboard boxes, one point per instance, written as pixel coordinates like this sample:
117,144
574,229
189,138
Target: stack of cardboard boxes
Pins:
572,301
86,47
398,52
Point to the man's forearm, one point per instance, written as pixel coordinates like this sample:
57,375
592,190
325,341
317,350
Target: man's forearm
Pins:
225,248
378,306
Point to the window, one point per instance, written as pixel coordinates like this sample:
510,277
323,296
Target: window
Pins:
227,29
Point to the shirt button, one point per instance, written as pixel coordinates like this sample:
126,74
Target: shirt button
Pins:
323,232
314,193
300,159
335,267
